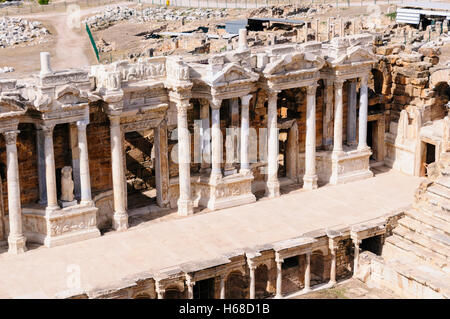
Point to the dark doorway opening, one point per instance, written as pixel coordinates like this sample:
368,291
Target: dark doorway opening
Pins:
283,136
204,289
373,244
428,158
140,168
371,127
174,293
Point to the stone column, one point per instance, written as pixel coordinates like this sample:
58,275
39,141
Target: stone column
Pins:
356,257
252,268
305,31
351,113
222,287
216,158
317,30
185,206
342,27
327,139
333,267
50,174
245,166
328,29
310,177
190,286
278,294
363,109
41,166
273,186
206,138
16,239
159,291
308,273
338,117
85,177
120,219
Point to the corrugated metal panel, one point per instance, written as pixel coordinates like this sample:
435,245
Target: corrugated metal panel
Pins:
234,26
427,5
407,16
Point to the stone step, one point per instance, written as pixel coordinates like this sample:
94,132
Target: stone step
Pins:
424,274
434,212
444,181
424,241
440,190
425,229
416,250
438,201
437,223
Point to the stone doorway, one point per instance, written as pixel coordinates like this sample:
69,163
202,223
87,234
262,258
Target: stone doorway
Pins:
236,286
174,293
317,268
375,138
428,157
262,282
204,289
140,168
373,244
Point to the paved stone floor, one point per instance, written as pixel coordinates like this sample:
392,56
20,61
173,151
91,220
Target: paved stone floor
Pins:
172,240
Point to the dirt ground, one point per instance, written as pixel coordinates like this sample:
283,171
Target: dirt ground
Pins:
350,289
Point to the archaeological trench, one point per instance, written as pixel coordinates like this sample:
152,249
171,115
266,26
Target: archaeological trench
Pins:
81,148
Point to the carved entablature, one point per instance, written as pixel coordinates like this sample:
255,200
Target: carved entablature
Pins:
64,77
293,70
233,74
354,56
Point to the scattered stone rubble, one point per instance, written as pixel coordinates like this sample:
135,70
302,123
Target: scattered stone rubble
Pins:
16,30
289,11
6,69
114,14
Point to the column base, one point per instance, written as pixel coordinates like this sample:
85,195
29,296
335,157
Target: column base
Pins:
245,172
185,207
310,182
306,290
278,296
363,148
16,245
215,178
120,221
51,209
273,189
331,284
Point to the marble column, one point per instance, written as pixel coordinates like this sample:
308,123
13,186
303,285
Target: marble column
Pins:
16,239
351,113
185,205
120,218
273,186
278,294
252,269
327,139
50,173
222,287
333,268
245,126
216,158
338,117
317,30
328,29
190,287
310,177
205,136
363,110
356,257
159,291
308,273
40,141
85,177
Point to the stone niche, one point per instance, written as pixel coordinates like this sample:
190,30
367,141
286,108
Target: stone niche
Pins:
61,227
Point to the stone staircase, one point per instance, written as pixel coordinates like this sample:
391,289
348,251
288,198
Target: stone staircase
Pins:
416,259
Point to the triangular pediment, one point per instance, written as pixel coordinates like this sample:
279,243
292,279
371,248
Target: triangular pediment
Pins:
294,63
69,95
234,73
355,55
11,104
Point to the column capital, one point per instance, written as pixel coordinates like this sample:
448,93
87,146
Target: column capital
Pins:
82,124
364,79
114,120
48,129
311,89
215,103
339,83
273,93
245,100
190,281
182,107
11,137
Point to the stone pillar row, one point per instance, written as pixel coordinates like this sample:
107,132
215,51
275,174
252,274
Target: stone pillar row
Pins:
273,186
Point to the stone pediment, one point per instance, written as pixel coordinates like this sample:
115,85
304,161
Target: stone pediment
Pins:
355,56
294,63
233,73
11,104
70,96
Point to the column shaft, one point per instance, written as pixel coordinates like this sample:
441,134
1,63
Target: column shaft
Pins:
327,139
206,138
308,273
16,240
273,186
185,206
279,280
356,258
351,114
245,124
363,109
50,174
252,282
333,267
85,177
222,287
216,160
310,177
338,117
120,220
